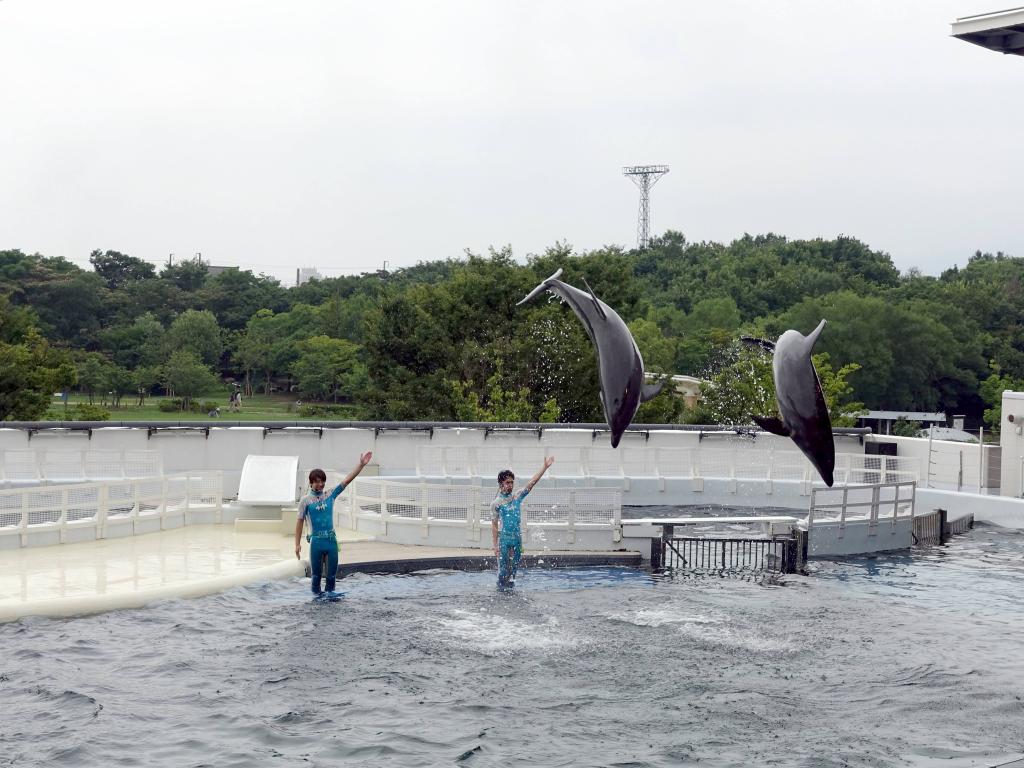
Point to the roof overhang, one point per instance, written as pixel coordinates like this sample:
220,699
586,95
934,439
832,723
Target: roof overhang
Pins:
1001,31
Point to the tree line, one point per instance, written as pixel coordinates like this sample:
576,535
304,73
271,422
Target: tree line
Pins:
444,340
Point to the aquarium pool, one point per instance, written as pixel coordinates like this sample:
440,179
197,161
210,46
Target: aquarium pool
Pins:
904,660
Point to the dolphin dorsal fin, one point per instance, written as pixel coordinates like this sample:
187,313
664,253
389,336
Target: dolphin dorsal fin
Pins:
542,287
597,302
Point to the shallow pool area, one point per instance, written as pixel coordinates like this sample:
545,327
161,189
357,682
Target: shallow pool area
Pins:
909,659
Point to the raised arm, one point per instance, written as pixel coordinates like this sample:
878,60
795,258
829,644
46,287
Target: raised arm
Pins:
540,473
363,461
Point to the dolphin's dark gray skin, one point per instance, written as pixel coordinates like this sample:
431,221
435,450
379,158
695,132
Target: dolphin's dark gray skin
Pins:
619,361
805,416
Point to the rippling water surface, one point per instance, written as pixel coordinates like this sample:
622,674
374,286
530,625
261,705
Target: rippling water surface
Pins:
914,659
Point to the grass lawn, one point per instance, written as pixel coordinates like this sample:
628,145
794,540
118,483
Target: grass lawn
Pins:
255,408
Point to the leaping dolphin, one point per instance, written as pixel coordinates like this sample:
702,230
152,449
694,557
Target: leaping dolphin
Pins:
805,416
619,361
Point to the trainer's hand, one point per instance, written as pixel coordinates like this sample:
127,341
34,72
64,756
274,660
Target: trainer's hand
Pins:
365,458
548,462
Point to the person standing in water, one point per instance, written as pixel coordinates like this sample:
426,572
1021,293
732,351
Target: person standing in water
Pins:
318,507
505,523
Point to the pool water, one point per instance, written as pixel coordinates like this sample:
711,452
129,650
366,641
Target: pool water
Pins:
904,660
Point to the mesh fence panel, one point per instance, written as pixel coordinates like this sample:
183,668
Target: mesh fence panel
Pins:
568,463
143,464
526,461
490,461
597,506
104,465
639,462
83,503
10,509
63,466
429,460
44,505
674,462
120,498
450,502
177,493
458,461
604,461
150,495
403,500
21,466
789,465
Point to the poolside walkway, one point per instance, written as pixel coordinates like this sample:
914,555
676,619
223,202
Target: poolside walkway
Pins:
130,572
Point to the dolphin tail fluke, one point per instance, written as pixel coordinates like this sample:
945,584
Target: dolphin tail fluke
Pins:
650,391
772,424
597,302
752,341
541,288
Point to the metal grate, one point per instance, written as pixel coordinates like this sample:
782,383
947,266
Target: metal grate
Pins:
729,555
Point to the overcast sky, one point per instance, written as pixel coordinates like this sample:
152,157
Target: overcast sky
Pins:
341,135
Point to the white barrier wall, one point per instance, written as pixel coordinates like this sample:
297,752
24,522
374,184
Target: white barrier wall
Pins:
950,465
1011,438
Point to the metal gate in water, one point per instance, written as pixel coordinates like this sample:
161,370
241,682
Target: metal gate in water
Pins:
715,555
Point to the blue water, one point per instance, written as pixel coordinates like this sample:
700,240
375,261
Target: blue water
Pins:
906,660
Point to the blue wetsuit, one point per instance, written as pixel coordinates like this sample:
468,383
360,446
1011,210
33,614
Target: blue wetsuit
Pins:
319,509
506,509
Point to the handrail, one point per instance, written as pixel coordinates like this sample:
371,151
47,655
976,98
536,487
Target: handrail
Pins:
61,508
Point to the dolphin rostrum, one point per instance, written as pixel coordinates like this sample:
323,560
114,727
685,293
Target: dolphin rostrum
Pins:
621,367
805,416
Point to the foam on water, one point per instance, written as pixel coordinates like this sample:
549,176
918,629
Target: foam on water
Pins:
492,634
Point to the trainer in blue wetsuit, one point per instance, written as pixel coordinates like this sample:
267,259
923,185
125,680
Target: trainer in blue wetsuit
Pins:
318,508
506,527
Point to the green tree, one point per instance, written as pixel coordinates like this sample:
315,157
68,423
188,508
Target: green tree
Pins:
145,379
842,411
197,332
327,368
186,376
30,370
903,427
119,269
992,389
738,390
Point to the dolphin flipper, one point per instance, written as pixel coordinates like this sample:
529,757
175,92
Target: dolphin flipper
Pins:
772,424
541,288
650,391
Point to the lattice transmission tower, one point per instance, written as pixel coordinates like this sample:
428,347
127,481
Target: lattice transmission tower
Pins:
645,177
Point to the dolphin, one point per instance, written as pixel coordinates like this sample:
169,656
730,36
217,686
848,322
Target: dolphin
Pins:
621,367
805,416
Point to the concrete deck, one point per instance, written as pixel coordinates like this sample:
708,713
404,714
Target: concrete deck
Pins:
97,576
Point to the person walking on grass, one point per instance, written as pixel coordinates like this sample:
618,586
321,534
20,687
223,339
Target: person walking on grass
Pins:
505,523
318,508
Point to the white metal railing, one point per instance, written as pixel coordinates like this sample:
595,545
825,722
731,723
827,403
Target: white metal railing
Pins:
61,508
468,505
45,465
695,464
871,502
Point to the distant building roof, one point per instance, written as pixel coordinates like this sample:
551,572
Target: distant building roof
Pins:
947,433
908,415
1001,31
